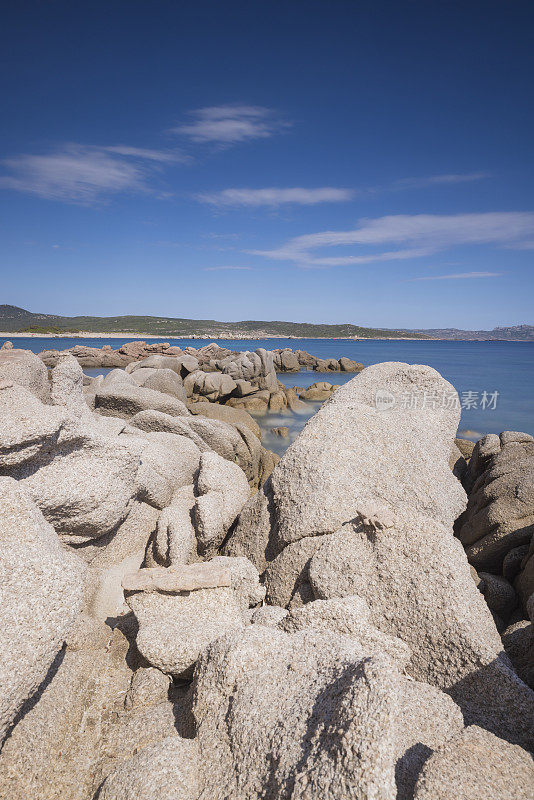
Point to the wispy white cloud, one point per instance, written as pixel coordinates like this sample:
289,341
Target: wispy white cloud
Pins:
418,235
227,236
524,246
437,180
83,174
150,155
75,173
459,276
221,269
275,196
229,124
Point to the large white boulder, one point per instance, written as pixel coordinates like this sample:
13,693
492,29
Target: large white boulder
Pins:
476,764
41,591
222,491
311,714
28,427
124,400
86,489
25,369
353,452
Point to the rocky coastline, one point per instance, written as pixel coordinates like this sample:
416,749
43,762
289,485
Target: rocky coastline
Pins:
185,616
241,380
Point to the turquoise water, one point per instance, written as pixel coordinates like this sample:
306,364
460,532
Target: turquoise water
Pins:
503,367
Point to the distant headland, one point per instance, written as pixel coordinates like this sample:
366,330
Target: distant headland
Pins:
17,322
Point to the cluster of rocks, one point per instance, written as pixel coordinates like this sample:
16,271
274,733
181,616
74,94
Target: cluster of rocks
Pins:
285,360
288,360
168,634
317,392
497,531
239,379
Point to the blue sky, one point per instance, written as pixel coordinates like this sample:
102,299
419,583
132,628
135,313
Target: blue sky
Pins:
335,161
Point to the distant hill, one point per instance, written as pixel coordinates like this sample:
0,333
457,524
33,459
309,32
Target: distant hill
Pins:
514,332
18,320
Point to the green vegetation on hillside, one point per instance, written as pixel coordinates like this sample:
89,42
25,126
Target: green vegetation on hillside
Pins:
21,321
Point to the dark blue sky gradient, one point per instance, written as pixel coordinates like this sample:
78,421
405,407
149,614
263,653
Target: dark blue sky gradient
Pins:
381,99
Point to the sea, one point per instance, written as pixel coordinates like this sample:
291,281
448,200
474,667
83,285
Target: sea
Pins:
495,380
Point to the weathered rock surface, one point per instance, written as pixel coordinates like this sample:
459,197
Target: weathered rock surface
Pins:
286,360
167,770
162,380
518,642
177,579
293,402
129,538
182,364
524,583
25,369
347,616
513,562
175,625
91,357
86,489
465,446
372,516
41,591
233,416
319,391
234,442
476,764
167,462
174,540
311,716
79,729
349,365
124,400
67,385
281,430
287,578
500,512
499,594
174,628
213,386
376,645
256,367
222,491
28,428
257,403
244,579
351,454
417,583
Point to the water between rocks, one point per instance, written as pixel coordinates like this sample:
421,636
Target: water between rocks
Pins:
472,367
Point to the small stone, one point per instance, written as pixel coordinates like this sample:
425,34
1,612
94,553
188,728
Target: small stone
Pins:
282,431
184,578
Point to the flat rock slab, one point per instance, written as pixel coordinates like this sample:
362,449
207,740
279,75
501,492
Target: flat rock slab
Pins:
183,578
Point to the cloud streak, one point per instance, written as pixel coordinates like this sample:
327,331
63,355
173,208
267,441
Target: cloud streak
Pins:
439,180
163,156
83,174
414,236
221,269
459,276
277,196
229,124
254,198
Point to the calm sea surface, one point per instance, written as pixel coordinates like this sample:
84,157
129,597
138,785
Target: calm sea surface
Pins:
503,367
